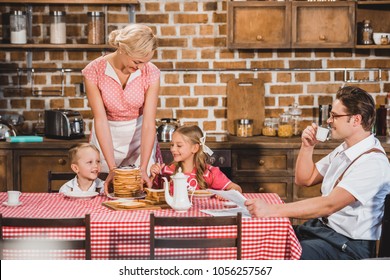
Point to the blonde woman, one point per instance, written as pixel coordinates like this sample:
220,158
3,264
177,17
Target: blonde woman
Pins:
122,89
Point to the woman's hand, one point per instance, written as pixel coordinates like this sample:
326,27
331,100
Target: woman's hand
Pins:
108,181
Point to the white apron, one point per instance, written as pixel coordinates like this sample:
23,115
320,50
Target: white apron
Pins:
126,139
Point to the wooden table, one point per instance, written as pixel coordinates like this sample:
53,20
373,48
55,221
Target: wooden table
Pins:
125,234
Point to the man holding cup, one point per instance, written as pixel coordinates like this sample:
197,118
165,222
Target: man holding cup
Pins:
345,221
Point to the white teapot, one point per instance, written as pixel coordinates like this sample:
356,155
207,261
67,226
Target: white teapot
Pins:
179,201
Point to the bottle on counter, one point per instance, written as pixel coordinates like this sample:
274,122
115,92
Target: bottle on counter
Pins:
367,33
95,28
380,121
18,26
57,27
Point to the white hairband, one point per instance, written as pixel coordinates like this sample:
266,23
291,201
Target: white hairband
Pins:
206,149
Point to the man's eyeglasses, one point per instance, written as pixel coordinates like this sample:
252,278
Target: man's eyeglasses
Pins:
333,116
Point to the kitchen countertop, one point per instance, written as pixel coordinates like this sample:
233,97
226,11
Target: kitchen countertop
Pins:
214,141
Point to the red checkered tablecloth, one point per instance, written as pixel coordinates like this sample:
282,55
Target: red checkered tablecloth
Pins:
125,234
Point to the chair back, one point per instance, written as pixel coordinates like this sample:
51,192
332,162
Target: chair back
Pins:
62,178
45,244
194,242
384,243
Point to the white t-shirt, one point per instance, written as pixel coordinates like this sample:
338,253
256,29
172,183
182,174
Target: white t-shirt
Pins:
367,179
72,185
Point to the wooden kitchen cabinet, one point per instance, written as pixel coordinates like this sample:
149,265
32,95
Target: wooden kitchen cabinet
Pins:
258,24
6,170
33,167
264,170
290,24
323,25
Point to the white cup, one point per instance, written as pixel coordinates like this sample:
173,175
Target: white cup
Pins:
13,197
322,133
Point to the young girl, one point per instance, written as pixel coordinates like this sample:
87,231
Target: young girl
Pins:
85,162
188,149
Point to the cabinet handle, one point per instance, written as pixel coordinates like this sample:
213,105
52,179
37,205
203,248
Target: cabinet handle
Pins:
261,162
61,161
322,37
261,190
259,38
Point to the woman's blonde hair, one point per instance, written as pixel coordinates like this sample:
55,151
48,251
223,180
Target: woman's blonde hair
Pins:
136,40
192,134
73,152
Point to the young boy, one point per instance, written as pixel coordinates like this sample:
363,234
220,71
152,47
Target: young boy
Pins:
85,162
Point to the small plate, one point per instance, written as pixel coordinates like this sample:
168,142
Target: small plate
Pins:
5,203
112,196
203,195
82,195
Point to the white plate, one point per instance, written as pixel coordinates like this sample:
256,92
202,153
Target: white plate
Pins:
5,203
82,195
112,196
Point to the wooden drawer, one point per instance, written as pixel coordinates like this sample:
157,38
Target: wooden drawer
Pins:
280,185
34,165
270,162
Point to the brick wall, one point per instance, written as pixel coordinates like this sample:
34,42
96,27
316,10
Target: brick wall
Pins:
192,38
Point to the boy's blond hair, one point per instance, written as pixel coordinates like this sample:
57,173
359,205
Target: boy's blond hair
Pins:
73,152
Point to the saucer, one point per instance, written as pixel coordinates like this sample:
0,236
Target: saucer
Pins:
5,203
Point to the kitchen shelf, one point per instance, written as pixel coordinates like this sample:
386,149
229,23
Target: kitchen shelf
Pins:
55,46
81,2
372,47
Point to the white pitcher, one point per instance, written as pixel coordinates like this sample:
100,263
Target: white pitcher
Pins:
179,201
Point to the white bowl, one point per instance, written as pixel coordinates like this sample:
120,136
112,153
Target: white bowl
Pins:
377,37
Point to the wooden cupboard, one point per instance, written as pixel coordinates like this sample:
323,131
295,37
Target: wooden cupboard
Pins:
302,24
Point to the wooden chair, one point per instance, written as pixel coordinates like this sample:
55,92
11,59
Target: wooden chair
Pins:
46,244
384,242
64,177
156,242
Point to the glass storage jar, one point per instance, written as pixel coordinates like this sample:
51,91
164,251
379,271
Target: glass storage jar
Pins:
57,27
95,28
285,127
296,113
244,127
270,127
18,26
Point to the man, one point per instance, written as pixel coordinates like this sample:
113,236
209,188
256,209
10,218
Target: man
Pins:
345,220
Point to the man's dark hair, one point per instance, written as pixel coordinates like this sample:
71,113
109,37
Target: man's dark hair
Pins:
358,102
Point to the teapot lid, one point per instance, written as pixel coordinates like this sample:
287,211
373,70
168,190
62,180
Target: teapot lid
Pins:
179,175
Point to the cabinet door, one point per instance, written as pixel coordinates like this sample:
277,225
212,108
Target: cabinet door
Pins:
323,25
33,166
279,185
6,170
258,24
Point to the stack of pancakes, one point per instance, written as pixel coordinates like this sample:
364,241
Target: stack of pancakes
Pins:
127,182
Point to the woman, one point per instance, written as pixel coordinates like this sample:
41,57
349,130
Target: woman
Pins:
122,89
